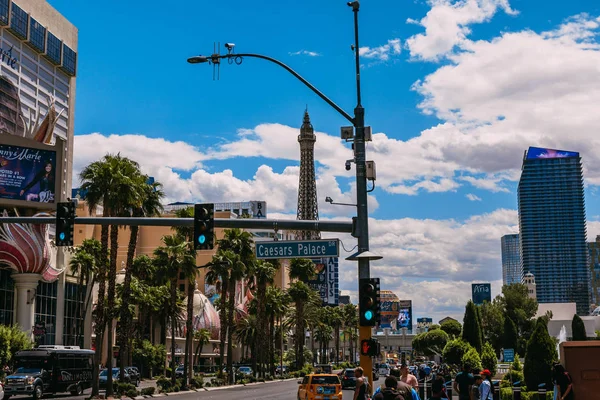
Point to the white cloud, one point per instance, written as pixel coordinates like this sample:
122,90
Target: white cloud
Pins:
447,25
305,53
473,197
383,52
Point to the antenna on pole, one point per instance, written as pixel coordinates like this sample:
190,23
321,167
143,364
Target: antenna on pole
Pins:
216,61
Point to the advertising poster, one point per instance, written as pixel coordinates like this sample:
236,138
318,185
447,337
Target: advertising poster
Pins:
481,292
536,152
405,317
212,292
326,281
27,174
389,315
423,324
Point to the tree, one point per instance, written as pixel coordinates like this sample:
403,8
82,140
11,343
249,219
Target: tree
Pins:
492,318
203,337
472,360
518,306
578,328
510,338
471,332
264,274
112,182
12,339
350,316
277,306
452,328
455,350
434,327
489,359
174,254
148,205
540,356
149,357
301,270
218,275
431,343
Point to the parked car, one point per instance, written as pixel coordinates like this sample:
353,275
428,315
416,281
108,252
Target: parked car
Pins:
116,372
348,379
278,370
134,375
245,371
179,372
320,386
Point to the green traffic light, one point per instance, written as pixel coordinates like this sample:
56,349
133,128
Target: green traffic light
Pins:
369,315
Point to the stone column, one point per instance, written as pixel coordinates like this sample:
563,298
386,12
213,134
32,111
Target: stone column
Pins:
26,285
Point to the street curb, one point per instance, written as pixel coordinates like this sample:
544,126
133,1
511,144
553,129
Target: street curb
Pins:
207,389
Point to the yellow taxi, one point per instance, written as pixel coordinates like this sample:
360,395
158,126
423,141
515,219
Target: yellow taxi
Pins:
320,387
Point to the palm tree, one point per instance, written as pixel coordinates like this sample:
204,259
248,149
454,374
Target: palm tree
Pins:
173,255
264,274
112,183
218,273
335,320
277,302
203,337
84,264
237,272
245,333
350,317
302,270
148,206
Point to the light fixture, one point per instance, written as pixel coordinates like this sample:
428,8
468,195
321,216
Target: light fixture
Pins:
364,255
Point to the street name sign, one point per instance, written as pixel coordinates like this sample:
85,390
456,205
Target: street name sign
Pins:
298,249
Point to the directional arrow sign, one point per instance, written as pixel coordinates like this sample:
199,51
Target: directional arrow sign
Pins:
298,249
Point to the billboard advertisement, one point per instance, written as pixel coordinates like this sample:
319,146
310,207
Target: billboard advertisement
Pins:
27,174
424,324
326,282
481,292
405,317
536,153
389,315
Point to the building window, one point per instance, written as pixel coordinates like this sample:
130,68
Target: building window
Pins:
7,297
37,36
19,21
69,60
45,312
74,317
54,52
4,12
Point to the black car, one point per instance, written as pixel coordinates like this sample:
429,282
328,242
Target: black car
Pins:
134,375
116,372
348,379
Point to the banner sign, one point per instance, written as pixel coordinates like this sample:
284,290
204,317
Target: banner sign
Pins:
326,282
481,292
405,317
27,174
424,323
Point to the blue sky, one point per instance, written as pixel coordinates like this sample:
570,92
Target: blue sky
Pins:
454,90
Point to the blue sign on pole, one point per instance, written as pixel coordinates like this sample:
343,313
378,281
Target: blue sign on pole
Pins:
298,249
509,355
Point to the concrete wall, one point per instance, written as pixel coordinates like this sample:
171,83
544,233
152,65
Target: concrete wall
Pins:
582,361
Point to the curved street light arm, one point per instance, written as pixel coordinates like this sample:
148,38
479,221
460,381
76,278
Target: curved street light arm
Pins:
297,75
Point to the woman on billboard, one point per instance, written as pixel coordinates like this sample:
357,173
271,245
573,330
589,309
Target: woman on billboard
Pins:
45,178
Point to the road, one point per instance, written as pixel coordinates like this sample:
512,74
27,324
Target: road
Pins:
270,390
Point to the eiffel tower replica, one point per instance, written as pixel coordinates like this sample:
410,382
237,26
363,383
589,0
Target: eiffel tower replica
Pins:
308,208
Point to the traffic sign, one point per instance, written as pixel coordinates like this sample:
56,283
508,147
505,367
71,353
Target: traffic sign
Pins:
298,249
509,355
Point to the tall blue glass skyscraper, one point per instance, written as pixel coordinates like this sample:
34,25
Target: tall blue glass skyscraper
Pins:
552,226
511,260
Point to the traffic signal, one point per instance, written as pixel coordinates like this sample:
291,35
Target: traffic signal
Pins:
65,223
204,226
369,305
370,347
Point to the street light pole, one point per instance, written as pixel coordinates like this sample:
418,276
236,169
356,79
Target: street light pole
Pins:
358,121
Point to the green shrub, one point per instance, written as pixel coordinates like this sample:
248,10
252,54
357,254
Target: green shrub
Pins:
149,391
488,358
133,393
540,356
472,359
197,381
124,389
455,350
164,384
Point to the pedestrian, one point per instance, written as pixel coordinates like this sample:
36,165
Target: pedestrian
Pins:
361,391
463,382
475,389
438,389
390,392
407,377
563,383
486,389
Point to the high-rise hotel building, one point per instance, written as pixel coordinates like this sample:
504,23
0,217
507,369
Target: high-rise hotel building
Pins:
553,227
38,64
511,260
